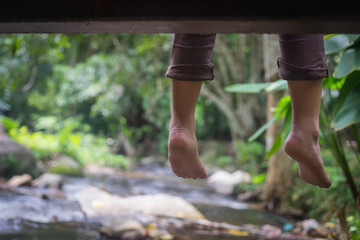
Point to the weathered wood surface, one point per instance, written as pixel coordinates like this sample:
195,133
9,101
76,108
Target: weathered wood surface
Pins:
163,16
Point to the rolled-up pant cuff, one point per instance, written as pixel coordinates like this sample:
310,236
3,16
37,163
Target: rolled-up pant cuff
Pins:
191,56
302,57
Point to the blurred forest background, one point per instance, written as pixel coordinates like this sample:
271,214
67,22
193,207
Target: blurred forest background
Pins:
103,99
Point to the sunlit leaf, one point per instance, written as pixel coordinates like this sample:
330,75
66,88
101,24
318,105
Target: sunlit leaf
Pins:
259,179
277,86
247,87
333,83
282,109
276,145
257,87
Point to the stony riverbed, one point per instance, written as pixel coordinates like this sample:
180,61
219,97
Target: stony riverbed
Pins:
147,203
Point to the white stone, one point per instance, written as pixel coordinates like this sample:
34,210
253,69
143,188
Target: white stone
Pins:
96,203
224,182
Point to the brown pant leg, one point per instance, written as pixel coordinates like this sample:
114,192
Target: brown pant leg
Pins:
302,57
191,56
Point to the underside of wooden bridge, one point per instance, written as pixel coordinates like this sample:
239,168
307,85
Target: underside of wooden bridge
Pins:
179,16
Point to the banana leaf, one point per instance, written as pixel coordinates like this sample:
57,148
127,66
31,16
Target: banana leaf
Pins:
347,107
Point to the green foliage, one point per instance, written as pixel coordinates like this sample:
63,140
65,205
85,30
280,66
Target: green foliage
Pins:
247,87
324,204
337,112
42,145
250,156
9,124
11,166
354,225
350,60
250,151
257,87
282,110
259,179
102,157
346,109
4,107
335,43
339,121
69,143
81,146
66,170
224,161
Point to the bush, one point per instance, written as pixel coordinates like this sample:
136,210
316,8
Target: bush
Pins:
81,146
10,166
251,157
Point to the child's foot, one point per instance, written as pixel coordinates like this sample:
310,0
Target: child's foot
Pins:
183,154
306,151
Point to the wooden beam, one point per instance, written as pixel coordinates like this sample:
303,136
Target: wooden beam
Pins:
181,26
177,16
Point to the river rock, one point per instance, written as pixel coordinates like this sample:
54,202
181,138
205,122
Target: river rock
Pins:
36,209
309,225
224,182
97,203
62,164
271,231
19,181
15,158
49,180
127,229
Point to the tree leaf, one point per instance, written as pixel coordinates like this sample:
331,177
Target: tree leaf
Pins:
257,87
247,87
4,106
333,83
347,110
277,86
350,112
354,37
282,109
350,60
350,82
336,43
276,145
261,129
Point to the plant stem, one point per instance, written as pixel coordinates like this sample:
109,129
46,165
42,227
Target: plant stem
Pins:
355,131
333,140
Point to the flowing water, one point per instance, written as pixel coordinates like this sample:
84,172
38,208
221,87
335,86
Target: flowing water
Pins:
24,217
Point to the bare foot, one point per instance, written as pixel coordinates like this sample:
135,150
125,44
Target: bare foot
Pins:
306,151
183,154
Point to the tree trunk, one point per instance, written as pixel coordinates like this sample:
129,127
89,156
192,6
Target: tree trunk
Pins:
279,175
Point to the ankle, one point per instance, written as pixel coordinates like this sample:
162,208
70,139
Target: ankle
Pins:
182,125
306,133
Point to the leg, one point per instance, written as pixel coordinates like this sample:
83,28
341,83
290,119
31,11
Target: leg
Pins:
303,65
302,144
183,148
190,65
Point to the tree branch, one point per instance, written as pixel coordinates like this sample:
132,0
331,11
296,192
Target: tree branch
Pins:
31,81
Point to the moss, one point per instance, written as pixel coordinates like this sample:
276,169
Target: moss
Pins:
66,170
12,165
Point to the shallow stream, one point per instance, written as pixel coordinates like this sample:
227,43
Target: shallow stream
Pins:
24,217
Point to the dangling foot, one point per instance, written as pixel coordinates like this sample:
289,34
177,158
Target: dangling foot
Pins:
305,149
183,154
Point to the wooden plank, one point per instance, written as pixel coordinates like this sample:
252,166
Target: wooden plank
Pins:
182,26
164,16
